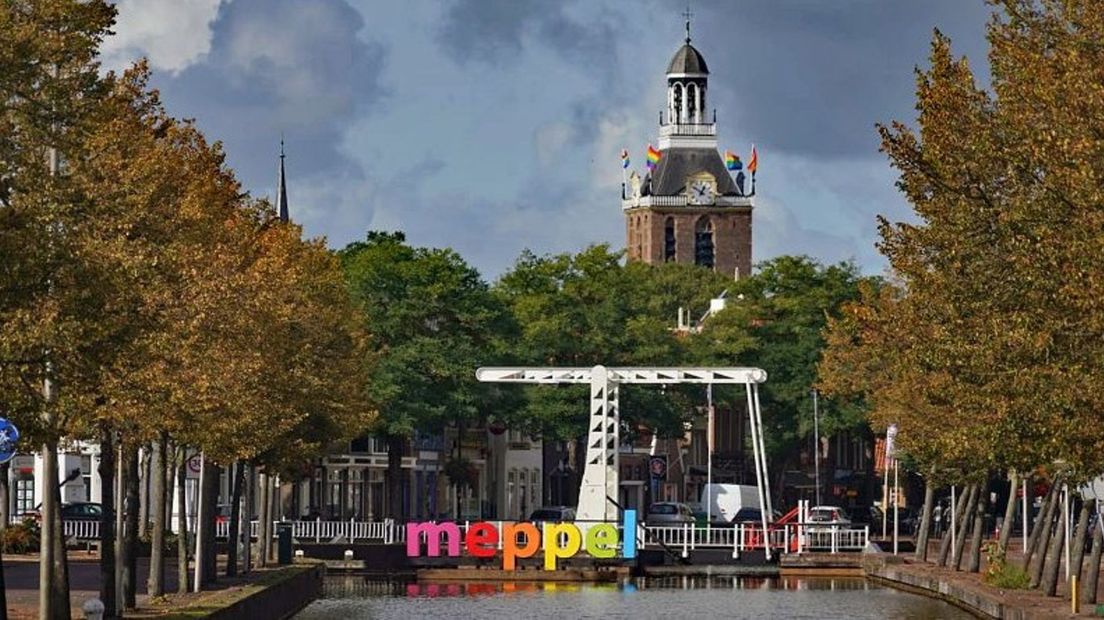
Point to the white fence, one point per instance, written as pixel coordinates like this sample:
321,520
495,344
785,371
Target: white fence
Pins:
788,538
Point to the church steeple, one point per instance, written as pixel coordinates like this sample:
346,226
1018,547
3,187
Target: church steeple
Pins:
281,189
687,82
688,208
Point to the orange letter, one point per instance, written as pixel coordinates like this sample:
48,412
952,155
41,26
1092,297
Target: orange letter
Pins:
510,549
479,536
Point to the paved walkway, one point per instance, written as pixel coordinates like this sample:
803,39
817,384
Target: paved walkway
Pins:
21,579
1031,601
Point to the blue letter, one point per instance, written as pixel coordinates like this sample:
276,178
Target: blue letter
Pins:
628,534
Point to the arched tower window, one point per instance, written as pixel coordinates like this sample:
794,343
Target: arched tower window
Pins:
669,244
678,111
703,242
692,103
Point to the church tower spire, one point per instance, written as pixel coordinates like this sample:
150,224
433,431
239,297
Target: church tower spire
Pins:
281,189
688,208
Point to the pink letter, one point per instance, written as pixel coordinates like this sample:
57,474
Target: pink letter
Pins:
432,531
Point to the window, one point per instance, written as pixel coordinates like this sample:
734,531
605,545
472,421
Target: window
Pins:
86,476
669,244
703,242
24,495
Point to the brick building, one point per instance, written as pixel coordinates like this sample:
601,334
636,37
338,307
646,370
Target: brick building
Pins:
689,208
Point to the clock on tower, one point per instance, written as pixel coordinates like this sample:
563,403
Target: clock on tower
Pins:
688,209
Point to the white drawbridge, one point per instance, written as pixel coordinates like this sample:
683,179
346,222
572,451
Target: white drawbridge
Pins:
601,476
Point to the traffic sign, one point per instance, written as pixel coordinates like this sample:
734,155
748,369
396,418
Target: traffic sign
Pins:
9,436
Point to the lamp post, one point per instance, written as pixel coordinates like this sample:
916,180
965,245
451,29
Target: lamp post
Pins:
816,445
709,456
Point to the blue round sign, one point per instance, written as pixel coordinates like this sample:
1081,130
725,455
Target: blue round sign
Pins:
9,436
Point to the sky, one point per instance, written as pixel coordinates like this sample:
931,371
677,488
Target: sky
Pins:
495,126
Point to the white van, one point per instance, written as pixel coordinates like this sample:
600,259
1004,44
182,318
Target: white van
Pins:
723,501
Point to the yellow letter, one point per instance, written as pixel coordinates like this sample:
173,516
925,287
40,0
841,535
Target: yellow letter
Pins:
552,548
601,540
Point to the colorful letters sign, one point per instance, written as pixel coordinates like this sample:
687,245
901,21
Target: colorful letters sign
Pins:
523,540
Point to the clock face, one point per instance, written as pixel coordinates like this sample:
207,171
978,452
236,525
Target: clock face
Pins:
701,193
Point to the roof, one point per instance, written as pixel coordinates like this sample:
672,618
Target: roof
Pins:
688,60
669,176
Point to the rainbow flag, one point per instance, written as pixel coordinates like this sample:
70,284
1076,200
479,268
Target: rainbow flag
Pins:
624,158
653,157
753,163
732,161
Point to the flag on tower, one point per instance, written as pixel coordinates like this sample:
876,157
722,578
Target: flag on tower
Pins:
753,163
732,161
624,158
653,157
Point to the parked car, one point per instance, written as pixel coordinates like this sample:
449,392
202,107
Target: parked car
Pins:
669,513
752,515
829,515
552,514
81,511
907,521
74,511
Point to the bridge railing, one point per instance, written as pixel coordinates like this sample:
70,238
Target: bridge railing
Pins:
741,537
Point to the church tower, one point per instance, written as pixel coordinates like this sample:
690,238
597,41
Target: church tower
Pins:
688,208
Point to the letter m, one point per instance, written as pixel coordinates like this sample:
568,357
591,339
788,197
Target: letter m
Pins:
432,533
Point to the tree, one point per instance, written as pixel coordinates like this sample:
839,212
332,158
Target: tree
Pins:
432,322
49,89
775,320
998,325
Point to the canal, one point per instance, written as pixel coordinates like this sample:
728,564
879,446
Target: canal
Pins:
675,598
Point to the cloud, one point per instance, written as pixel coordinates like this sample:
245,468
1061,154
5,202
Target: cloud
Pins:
173,34
275,67
813,77
496,31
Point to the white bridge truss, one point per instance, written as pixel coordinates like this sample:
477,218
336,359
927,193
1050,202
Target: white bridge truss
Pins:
601,478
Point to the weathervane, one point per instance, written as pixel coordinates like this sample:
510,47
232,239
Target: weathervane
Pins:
688,15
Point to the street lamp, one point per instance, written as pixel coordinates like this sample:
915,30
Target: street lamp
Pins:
816,445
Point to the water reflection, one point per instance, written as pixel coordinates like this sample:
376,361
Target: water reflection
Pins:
346,597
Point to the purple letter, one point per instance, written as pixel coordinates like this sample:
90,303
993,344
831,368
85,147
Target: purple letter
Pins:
432,533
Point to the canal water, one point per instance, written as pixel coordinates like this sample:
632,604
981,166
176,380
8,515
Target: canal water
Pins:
674,598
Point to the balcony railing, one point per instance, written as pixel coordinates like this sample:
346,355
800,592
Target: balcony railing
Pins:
688,129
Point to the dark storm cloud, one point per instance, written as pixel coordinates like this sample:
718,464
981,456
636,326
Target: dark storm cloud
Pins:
281,66
494,31
811,76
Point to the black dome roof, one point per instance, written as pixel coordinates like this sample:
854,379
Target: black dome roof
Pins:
688,60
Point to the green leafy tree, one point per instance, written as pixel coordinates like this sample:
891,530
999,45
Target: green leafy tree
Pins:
433,321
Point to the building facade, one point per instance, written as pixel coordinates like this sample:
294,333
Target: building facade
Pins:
689,208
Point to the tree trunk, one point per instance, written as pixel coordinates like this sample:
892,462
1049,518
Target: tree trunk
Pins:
120,519
945,542
50,508
925,521
973,565
1049,581
1091,572
232,537
144,469
155,586
206,527
264,517
182,546
107,523
59,563
1038,559
265,534
130,532
1042,524
964,526
5,496
395,446
1009,512
1077,544
248,503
